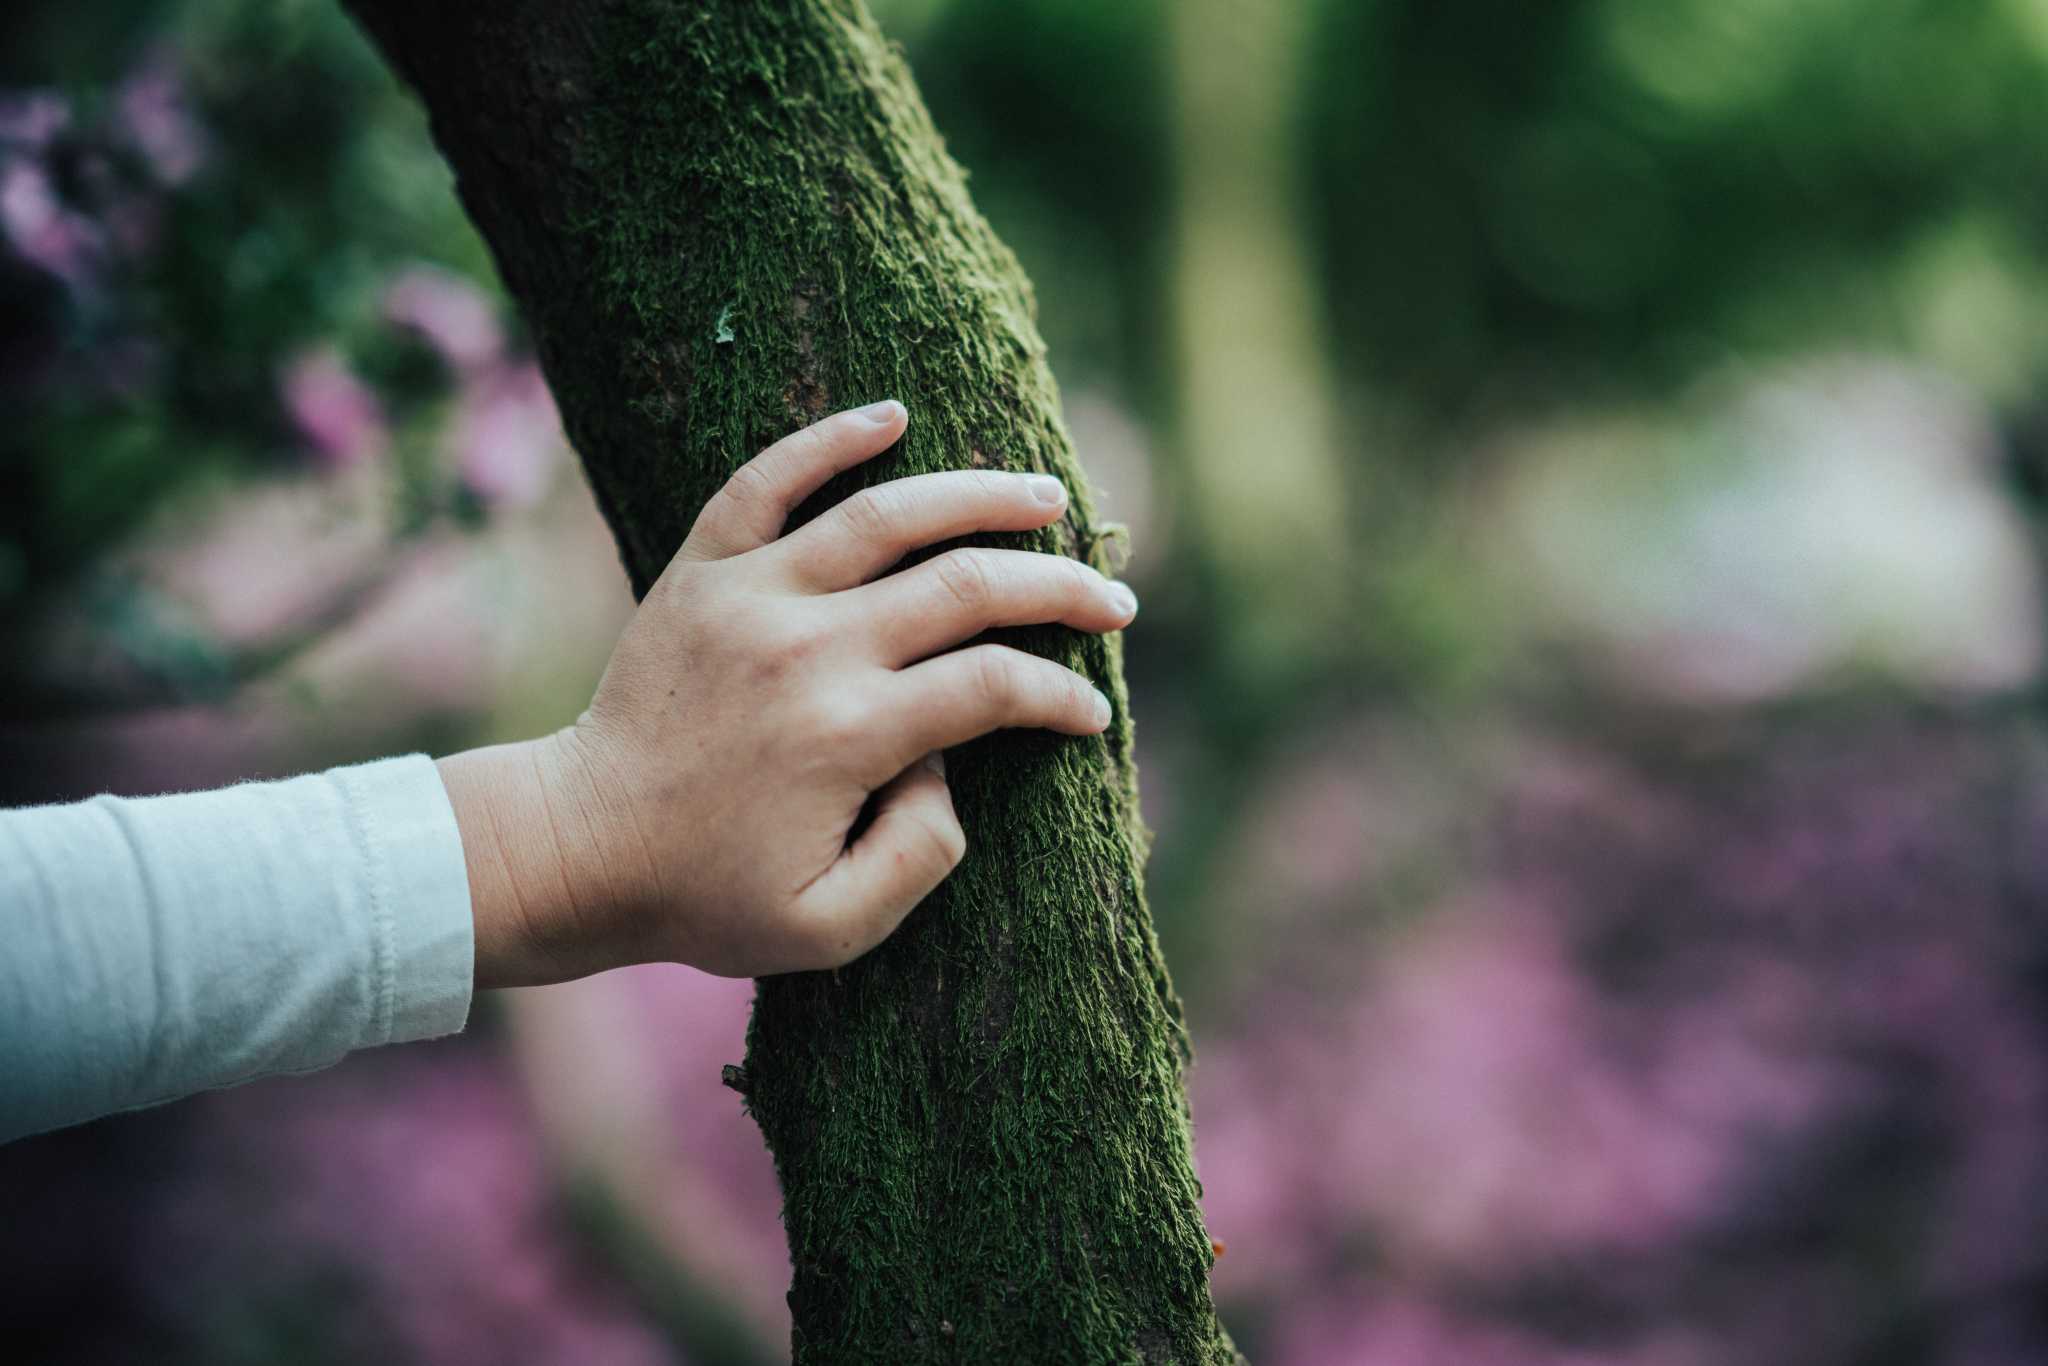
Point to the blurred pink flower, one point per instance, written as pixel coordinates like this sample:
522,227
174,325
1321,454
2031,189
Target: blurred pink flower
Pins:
153,111
132,222
1310,833
507,436
422,1175
1750,1059
1257,1129
1988,1084
1399,1331
38,226
1355,806
33,118
1497,1124
1480,1106
700,1023
455,317
1405,1329
625,1071
337,414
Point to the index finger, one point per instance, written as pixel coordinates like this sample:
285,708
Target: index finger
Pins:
748,512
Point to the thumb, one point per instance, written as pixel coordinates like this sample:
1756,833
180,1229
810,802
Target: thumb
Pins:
914,841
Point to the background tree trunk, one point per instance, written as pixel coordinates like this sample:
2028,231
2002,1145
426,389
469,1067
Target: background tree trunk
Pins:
723,219
1257,428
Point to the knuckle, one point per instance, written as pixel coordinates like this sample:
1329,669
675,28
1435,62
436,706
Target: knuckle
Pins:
870,513
793,641
751,485
1079,580
947,840
712,534
1080,697
799,644
808,446
996,677
836,719
967,577
1060,693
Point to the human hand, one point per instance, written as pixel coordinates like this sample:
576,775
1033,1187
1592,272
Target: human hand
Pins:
765,691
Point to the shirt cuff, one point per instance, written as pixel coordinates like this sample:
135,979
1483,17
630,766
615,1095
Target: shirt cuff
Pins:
424,935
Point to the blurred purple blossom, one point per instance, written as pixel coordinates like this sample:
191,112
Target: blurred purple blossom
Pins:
422,1176
1313,835
106,216
1366,1328
155,114
1478,1106
337,414
699,1023
507,436
454,316
626,1075
1687,1034
32,119
42,231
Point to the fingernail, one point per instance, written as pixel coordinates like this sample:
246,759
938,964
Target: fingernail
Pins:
1047,489
1126,601
883,413
1101,708
936,762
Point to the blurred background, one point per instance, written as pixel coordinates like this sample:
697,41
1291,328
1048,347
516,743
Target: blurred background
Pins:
1585,465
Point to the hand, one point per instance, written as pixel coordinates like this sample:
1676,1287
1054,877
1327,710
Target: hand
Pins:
767,689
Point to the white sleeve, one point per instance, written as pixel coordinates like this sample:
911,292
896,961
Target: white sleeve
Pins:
156,947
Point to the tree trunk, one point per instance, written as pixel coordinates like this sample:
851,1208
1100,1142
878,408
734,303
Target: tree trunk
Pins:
723,218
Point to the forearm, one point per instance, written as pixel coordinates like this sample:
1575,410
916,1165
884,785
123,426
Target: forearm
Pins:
162,946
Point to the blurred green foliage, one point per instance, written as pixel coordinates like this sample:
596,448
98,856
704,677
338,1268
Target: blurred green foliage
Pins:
1577,198
160,363
1601,193
1514,205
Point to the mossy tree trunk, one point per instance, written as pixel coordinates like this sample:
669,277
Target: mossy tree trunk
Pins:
723,219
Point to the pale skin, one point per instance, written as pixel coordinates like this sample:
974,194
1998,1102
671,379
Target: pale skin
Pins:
766,690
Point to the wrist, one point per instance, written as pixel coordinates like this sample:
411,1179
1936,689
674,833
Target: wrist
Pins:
524,835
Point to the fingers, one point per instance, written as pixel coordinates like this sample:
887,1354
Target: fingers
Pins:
749,511
952,699
913,842
962,593
879,526
915,838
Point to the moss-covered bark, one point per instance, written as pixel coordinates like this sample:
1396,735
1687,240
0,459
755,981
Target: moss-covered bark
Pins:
722,219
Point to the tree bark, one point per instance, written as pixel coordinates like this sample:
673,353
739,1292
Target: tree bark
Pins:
722,219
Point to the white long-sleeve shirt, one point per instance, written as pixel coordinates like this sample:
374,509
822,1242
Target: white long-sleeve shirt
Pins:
154,947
